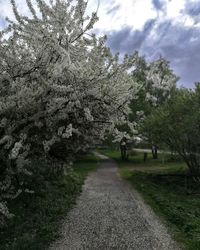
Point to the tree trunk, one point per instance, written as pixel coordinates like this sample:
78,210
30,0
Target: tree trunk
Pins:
123,153
155,152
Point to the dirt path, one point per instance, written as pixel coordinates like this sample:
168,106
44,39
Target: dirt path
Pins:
111,215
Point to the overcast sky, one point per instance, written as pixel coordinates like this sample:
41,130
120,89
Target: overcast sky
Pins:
170,28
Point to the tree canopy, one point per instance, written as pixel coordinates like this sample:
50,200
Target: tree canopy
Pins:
61,87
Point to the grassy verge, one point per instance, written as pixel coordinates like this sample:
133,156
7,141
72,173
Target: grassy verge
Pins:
38,216
167,195
163,163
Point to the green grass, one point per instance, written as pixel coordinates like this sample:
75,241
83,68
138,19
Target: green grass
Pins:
38,216
85,165
169,197
164,163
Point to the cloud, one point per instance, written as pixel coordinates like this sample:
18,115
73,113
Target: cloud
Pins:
193,10
115,14
180,45
157,4
5,10
128,40
177,42
113,10
2,24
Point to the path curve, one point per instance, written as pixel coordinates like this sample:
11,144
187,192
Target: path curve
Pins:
110,215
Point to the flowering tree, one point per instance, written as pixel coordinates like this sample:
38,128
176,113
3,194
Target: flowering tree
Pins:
156,81
61,88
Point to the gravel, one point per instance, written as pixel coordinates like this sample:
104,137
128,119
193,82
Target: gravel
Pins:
109,214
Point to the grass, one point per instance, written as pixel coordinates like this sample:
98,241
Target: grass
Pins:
38,216
169,197
164,163
85,165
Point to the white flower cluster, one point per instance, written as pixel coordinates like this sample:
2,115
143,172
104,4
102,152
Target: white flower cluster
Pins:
160,75
15,151
3,122
38,124
48,143
60,130
88,115
68,132
4,210
5,184
29,191
65,132
119,135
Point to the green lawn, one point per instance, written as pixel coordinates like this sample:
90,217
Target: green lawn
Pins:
38,216
169,196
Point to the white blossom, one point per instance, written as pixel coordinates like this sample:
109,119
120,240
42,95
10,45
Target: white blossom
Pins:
15,150
68,132
88,115
4,210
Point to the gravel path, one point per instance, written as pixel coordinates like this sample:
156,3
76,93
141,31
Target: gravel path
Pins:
109,214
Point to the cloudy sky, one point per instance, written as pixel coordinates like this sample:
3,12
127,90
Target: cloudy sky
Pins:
170,28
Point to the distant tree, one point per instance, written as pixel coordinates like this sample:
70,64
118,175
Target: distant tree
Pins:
123,148
177,125
156,81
